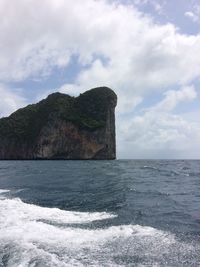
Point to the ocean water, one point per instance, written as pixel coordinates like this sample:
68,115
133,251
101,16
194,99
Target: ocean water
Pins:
99,213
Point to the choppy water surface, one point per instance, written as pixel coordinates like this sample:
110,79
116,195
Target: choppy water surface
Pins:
99,213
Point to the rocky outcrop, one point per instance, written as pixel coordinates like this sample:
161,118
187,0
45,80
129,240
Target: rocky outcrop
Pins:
62,127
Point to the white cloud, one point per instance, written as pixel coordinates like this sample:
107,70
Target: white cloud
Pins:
10,101
160,132
191,15
173,98
140,53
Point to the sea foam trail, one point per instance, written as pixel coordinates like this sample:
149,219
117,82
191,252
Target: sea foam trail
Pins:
29,237
15,210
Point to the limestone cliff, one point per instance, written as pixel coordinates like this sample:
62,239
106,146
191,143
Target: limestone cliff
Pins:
62,127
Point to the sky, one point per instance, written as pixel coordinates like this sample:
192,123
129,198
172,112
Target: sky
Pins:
147,51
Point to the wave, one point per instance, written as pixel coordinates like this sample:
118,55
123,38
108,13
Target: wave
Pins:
150,167
30,237
167,172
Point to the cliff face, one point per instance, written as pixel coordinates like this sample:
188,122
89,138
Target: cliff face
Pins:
62,127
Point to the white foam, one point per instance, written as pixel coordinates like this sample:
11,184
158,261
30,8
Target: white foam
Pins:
150,167
30,237
15,210
4,191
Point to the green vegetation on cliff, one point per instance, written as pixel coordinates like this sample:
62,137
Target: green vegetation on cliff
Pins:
88,111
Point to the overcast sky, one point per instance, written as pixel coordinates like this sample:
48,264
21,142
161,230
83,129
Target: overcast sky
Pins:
147,51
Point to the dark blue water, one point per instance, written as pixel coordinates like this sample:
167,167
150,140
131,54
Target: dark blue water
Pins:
99,213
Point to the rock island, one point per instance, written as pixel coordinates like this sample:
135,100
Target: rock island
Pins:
62,127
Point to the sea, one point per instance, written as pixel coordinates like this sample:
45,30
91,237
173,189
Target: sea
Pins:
100,213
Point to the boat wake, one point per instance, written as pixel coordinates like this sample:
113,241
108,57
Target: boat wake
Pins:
31,235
